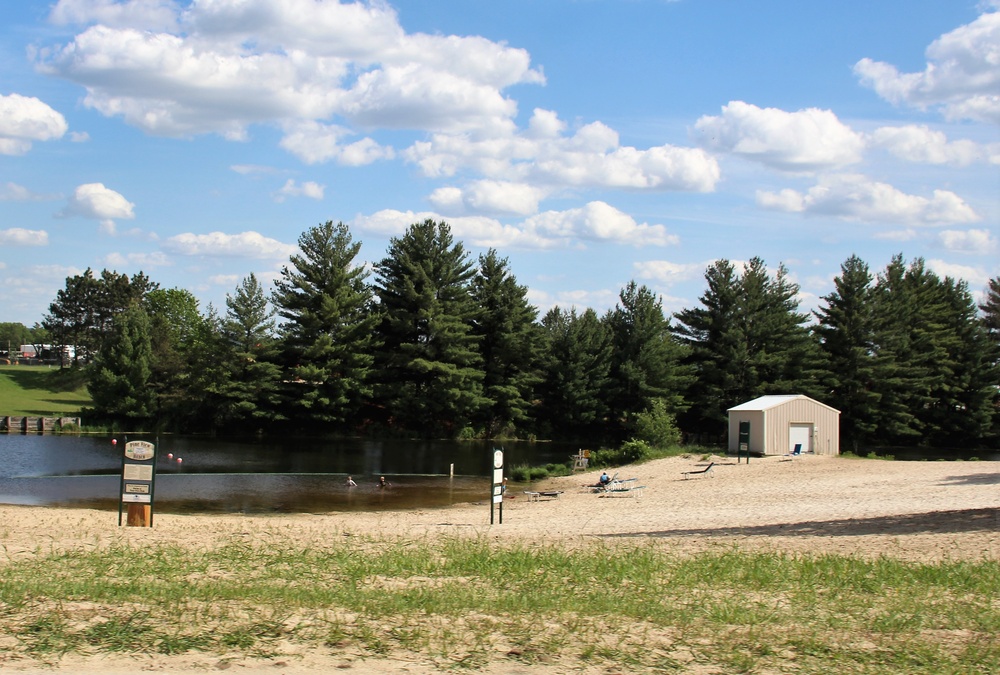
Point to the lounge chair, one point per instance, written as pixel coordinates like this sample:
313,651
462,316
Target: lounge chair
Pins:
796,451
700,472
598,487
623,488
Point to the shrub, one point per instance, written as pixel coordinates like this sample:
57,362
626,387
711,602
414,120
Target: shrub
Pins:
656,426
628,453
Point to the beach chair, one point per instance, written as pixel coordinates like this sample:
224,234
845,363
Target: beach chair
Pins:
603,488
796,451
707,471
624,488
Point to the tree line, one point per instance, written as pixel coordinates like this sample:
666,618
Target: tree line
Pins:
431,342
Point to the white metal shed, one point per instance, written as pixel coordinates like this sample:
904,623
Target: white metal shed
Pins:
778,423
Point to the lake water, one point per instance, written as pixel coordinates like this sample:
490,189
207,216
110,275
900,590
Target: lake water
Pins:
291,476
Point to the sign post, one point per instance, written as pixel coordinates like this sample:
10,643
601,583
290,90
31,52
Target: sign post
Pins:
498,486
744,441
137,482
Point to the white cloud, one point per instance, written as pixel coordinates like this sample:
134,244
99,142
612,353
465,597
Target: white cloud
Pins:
590,157
976,277
149,14
143,260
594,222
25,119
18,236
598,221
805,140
488,197
291,189
313,142
218,66
855,197
220,244
93,200
980,242
962,74
915,143
12,192
668,273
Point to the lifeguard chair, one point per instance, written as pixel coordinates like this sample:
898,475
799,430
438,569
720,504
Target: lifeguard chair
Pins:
581,460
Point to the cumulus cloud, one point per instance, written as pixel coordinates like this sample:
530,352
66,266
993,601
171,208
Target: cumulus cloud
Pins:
314,142
976,277
18,236
855,197
598,221
805,140
979,242
219,66
549,159
219,244
25,119
488,197
291,189
594,222
962,74
93,200
918,143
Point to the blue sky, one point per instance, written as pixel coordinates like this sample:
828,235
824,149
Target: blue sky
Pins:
591,142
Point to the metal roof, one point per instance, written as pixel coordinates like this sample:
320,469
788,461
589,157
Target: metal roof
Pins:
767,402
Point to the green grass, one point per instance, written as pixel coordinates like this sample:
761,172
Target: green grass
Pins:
40,391
464,604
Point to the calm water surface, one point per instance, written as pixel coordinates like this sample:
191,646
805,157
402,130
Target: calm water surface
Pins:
293,476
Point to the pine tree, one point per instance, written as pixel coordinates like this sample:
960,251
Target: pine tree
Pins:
645,358
249,391
846,332
748,339
430,366
508,343
935,382
714,335
576,364
119,382
327,334
990,309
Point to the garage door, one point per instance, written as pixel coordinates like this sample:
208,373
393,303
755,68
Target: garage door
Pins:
800,433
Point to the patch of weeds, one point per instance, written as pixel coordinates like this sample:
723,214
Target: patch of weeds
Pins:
179,644
371,639
130,634
48,635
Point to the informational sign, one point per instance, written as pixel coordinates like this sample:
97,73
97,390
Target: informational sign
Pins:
137,482
498,486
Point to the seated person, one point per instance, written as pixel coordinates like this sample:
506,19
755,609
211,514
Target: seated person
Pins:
603,481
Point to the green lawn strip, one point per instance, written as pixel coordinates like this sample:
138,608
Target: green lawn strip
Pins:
466,603
41,391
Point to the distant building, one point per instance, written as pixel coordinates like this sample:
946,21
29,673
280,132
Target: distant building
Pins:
779,423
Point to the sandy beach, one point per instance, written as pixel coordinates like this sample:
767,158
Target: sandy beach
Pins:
912,511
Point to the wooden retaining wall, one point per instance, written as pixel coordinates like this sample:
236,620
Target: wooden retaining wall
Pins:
34,425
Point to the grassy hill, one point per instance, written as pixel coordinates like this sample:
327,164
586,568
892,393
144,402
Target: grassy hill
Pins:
40,391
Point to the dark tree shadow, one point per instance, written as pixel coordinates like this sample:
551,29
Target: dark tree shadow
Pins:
936,522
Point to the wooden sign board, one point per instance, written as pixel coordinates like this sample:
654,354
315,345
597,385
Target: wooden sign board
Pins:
137,482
